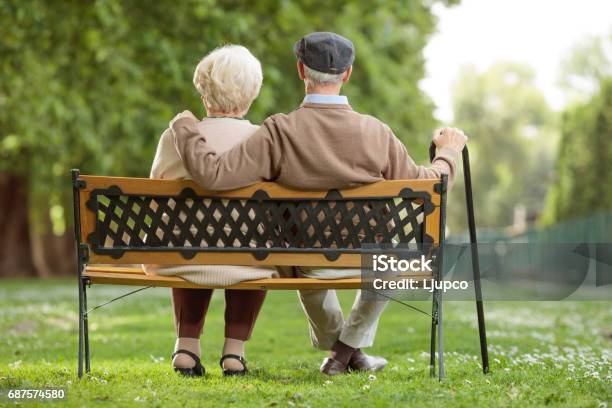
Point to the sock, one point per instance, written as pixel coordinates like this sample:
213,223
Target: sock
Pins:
358,352
341,352
189,344
233,346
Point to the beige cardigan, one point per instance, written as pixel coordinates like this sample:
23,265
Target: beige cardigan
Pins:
222,133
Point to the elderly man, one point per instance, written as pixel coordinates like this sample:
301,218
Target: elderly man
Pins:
324,144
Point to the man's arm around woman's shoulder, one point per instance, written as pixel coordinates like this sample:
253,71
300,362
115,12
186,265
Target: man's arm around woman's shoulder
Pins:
255,159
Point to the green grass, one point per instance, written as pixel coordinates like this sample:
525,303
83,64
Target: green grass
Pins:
557,354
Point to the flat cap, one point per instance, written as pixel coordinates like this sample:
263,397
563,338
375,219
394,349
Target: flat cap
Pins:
325,52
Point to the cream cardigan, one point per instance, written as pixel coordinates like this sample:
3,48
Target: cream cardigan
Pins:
223,134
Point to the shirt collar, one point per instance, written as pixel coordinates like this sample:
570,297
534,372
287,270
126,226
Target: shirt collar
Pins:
326,99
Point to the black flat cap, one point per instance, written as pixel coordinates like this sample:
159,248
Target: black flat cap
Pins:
325,52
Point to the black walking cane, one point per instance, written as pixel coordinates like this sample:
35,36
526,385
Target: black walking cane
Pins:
467,177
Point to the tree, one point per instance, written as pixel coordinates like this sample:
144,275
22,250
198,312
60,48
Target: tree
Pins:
586,65
584,164
512,143
93,84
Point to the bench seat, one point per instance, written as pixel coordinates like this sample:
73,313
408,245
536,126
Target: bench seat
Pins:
115,275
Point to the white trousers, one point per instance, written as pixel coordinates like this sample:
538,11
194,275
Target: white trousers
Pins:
325,318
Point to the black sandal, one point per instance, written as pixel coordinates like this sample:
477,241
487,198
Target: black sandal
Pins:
195,371
228,373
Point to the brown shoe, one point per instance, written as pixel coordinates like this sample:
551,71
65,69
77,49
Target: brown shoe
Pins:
360,361
332,367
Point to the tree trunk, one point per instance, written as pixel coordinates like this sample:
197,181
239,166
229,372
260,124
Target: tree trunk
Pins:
58,255
15,242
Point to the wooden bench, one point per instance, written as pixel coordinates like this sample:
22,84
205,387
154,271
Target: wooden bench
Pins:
121,221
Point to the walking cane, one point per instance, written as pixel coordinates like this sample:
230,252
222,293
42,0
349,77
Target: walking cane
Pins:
467,177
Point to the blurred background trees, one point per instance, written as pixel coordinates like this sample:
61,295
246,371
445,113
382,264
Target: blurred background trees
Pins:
533,167
584,165
586,65
93,84
512,144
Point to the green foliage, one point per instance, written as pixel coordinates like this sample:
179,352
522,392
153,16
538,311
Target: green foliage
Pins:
93,84
586,65
512,143
584,164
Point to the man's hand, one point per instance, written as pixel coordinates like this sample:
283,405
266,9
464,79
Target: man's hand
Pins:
183,115
450,137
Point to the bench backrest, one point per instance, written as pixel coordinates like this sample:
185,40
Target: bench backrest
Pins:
131,220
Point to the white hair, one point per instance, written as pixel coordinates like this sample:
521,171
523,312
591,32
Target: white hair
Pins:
314,78
229,79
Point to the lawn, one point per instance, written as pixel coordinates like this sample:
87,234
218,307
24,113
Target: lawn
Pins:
557,354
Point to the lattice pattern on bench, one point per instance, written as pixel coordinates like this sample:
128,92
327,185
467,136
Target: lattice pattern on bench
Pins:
258,223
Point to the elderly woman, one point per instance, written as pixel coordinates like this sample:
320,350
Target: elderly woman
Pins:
228,80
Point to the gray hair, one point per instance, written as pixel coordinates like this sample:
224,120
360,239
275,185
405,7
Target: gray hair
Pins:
229,79
314,78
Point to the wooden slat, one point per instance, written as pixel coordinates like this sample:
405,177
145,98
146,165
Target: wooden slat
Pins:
136,269
234,258
88,218
142,186
135,277
112,278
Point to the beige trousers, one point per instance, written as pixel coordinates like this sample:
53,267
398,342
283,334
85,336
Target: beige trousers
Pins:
325,318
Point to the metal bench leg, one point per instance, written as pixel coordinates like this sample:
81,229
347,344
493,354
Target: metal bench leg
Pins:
432,352
86,327
438,300
441,372
437,333
81,328
440,277
81,259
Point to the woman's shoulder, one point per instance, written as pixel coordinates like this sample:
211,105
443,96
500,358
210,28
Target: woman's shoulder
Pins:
167,163
165,140
226,130
165,136
253,127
